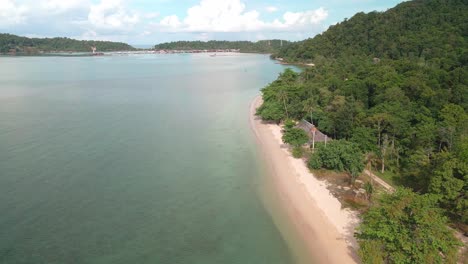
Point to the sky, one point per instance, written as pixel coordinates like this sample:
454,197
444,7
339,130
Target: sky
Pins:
148,22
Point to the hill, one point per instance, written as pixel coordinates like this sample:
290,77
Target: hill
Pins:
23,45
395,84
415,29
263,46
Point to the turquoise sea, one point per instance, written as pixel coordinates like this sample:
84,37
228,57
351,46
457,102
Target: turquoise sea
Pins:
133,159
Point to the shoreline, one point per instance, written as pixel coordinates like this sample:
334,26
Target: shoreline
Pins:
316,219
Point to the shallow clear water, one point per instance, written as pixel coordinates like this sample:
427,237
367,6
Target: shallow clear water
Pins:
133,159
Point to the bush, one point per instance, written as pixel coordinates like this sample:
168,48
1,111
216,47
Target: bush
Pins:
339,155
271,111
295,137
297,152
289,124
314,162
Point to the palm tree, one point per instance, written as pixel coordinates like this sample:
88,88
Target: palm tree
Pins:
310,106
283,96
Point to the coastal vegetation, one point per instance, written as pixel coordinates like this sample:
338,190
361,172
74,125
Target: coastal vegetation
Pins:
391,89
262,46
12,44
295,137
406,228
339,155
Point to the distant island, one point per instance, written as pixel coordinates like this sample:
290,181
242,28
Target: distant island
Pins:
262,46
17,45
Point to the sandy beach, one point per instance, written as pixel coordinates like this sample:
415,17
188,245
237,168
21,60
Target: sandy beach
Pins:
322,226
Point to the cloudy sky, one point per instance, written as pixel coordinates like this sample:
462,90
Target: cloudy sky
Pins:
156,21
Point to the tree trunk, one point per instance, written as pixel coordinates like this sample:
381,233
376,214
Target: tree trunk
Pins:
285,108
378,130
383,165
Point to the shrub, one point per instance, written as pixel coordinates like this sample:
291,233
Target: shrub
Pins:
297,152
289,124
314,162
341,155
295,137
271,111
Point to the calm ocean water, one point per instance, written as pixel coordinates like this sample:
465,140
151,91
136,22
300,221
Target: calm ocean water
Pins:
133,159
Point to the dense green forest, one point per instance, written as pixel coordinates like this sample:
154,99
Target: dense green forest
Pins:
433,31
263,46
12,43
395,84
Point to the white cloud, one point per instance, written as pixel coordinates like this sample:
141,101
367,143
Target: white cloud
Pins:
305,18
145,33
60,6
151,15
12,13
122,20
271,9
112,14
171,22
232,16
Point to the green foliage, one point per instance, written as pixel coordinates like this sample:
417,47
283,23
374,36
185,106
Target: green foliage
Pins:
297,152
369,190
340,155
427,30
23,45
454,122
406,227
262,46
272,111
450,184
365,138
371,252
295,137
314,162
288,124
394,83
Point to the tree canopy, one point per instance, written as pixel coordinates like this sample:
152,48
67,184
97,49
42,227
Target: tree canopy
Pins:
406,227
262,46
339,155
434,30
405,108
295,137
26,45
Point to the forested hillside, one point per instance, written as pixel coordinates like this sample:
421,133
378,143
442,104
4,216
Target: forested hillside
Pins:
263,46
396,85
429,30
12,43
